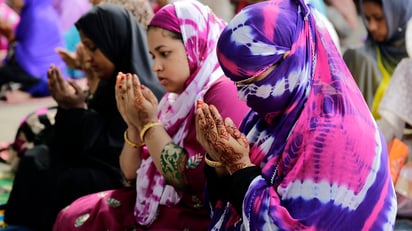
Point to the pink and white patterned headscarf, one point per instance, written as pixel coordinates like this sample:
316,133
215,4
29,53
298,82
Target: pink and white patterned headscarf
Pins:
200,29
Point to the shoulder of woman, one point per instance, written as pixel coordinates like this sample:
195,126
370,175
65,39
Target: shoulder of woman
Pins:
223,95
221,87
358,53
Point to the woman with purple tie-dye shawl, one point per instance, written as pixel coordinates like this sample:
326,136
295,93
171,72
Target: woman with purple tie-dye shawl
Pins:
320,161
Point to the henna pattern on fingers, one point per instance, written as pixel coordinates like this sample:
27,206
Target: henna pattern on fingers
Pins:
138,101
210,124
230,156
235,133
222,129
199,104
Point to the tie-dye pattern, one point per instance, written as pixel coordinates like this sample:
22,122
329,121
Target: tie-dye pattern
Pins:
324,162
200,29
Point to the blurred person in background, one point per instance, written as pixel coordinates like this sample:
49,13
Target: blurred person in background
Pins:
373,63
24,71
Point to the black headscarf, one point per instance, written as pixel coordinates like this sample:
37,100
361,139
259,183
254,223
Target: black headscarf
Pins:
115,31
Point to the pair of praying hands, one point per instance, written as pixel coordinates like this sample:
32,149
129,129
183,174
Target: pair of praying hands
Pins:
67,94
136,103
221,139
80,60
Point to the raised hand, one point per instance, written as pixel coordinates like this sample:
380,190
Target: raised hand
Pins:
136,103
67,94
221,139
70,58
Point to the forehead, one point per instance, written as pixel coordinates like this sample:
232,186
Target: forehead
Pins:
159,32
84,37
159,36
372,7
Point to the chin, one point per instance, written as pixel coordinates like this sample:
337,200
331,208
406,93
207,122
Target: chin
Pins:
378,39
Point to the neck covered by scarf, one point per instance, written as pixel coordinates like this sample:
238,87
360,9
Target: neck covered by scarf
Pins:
321,153
200,29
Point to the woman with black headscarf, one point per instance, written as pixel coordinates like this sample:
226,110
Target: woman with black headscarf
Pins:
88,138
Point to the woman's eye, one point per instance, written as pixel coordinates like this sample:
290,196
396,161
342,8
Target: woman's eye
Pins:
91,48
380,19
164,53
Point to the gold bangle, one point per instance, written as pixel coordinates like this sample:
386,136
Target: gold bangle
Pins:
146,128
213,164
130,142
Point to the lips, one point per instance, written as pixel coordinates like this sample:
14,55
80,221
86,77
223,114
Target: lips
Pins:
162,80
95,68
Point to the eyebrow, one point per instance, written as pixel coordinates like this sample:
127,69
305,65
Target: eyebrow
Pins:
159,47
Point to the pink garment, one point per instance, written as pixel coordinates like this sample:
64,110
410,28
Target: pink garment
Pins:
9,15
70,10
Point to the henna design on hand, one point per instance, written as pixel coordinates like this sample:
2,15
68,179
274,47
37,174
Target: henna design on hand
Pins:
229,155
229,145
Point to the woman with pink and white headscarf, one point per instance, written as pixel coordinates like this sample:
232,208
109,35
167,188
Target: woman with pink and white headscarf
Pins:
309,155
161,154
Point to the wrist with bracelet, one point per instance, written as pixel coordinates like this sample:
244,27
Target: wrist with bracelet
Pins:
130,143
231,169
211,163
146,128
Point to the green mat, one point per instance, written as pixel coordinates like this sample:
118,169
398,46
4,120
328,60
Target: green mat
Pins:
6,182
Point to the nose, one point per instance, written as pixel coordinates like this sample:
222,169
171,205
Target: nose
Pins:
86,58
372,25
156,66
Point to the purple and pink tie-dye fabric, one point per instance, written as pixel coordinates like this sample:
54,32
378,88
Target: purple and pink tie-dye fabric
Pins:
324,162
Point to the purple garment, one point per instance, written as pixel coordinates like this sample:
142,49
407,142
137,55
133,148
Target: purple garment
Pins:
38,34
324,164
70,11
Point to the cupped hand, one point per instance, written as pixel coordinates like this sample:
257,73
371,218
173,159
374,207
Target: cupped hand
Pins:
221,139
70,58
67,94
136,103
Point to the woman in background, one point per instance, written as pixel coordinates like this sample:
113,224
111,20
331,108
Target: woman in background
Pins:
83,154
37,36
143,13
373,63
